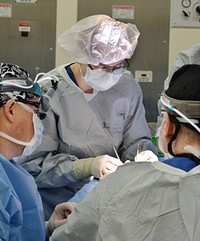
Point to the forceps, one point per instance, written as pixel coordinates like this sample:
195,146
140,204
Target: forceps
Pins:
138,149
116,153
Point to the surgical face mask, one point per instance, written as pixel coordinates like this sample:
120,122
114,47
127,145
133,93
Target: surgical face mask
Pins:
160,143
101,80
37,136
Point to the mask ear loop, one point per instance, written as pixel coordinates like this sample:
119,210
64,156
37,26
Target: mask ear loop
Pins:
169,146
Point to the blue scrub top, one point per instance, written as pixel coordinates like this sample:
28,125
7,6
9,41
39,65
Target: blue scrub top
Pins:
184,163
21,212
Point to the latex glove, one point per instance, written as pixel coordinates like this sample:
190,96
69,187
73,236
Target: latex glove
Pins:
59,216
104,165
146,156
82,167
98,167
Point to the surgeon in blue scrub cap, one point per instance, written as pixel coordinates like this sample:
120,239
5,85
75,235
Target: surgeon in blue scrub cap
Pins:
92,104
21,212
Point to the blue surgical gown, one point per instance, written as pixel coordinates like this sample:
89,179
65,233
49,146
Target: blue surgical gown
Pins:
21,212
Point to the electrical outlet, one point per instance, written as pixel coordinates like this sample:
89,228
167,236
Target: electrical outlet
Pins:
143,76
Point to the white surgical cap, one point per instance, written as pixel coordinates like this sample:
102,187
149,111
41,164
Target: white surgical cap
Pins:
99,39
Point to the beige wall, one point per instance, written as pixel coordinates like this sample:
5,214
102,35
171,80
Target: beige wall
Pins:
66,17
180,38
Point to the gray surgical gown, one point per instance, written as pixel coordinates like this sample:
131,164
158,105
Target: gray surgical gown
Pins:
78,126
189,56
139,202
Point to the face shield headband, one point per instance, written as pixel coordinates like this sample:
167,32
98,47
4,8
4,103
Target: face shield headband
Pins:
21,90
192,108
18,89
19,85
178,107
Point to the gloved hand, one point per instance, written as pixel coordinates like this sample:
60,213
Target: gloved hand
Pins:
98,167
59,216
146,156
104,165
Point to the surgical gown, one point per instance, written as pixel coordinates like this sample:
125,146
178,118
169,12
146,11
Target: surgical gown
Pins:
79,125
189,56
21,212
139,202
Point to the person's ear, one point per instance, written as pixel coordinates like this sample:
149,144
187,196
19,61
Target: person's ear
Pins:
168,126
8,108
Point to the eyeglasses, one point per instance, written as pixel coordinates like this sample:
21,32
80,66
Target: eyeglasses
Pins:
106,68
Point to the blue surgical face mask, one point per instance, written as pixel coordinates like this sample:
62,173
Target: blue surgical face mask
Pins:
37,136
101,80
